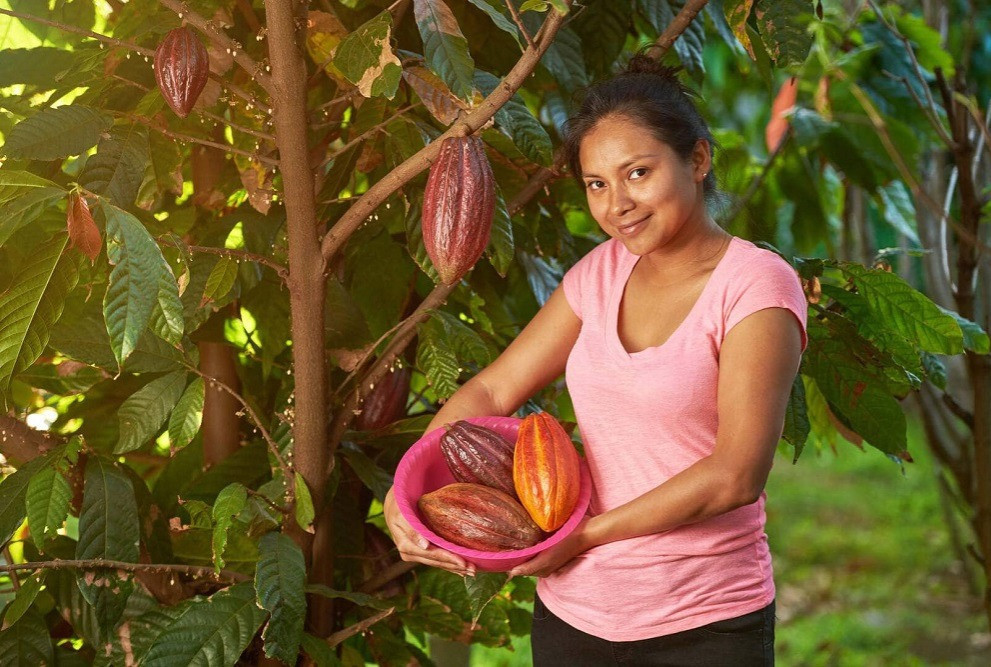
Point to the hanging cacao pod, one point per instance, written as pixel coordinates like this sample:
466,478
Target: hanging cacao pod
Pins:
479,455
458,205
386,402
182,67
546,471
478,517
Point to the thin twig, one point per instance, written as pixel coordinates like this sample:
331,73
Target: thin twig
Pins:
243,254
677,26
928,111
14,581
241,57
282,509
196,140
273,447
100,564
394,571
519,23
361,626
361,137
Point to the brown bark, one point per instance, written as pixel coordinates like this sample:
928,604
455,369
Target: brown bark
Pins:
19,443
221,432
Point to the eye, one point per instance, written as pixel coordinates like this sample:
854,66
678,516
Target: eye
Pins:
594,185
639,169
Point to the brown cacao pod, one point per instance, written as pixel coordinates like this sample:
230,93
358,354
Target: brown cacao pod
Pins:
386,402
458,204
479,455
182,67
546,471
478,517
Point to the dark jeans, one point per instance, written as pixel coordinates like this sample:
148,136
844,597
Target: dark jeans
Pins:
744,641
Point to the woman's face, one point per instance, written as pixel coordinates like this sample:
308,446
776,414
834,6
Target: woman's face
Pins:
638,189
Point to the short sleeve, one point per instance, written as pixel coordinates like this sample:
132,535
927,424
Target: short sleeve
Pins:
572,284
769,282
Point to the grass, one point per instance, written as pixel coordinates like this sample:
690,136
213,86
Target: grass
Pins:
864,566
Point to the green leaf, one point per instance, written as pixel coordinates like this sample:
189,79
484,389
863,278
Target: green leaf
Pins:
118,166
13,490
210,632
52,134
974,337
221,280
361,599
141,416
796,430
184,422
142,632
603,28
319,651
374,476
500,20
134,280
305,511
906,311
481,589
23,196
230,502
26,643
167,313
344,325
40,66
501,247
279,579
366,59
899,211
565,61
28,593
534,6
515,120
783,27
108,530
47,499
445,46
437,360
31,306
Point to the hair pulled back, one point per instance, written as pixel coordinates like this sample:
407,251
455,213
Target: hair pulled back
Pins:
651,95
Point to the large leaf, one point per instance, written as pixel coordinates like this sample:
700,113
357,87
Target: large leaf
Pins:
230,502
974,337
141,632
209,633
690,43
26,595
118,166
899,210
906,310
445,46
366,59
166,315
32,305
143,413
796,430
48,497
501,248
279,580
134,282
565,61
184,423
783,26
41,66
603,28
108,530
516,121
26,643
500,20
13,489
22,198
52,134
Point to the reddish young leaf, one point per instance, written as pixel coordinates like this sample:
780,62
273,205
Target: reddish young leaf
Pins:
778,125
83,233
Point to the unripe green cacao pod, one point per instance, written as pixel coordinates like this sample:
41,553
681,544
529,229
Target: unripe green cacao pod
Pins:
458,205
182,67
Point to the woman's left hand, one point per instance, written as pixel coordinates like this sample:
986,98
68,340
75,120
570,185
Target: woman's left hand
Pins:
550,560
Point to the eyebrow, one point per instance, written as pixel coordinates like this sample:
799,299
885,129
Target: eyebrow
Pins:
624,165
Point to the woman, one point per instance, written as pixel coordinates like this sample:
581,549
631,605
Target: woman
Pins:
680,344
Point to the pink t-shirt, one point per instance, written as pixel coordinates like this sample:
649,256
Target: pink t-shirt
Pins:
643,418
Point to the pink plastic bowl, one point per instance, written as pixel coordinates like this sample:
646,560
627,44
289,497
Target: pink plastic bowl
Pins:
423,469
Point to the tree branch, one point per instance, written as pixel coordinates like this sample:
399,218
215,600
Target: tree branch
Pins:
250,256
677,26
519,23
247,63
100,564
19,443
395,179
196,140
367,133
360,626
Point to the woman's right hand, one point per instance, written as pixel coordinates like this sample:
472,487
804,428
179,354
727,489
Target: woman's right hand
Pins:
413,547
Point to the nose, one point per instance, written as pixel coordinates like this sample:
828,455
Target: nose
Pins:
621,202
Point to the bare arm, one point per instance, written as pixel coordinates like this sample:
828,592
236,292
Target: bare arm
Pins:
757,365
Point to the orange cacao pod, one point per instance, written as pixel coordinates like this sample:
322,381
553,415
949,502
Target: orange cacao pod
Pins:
458,204
546,471
386,402
478,517
182,67
479,455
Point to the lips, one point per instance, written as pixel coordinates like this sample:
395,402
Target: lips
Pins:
633,227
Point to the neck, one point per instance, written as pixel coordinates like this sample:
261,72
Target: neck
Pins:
693,247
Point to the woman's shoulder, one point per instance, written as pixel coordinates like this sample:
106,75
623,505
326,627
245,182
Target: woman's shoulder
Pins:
752,263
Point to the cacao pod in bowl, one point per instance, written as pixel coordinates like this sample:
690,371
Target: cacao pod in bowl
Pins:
423,469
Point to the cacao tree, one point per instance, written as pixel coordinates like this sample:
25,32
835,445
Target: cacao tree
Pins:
220,326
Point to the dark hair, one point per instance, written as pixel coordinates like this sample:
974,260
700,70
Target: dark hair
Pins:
650,94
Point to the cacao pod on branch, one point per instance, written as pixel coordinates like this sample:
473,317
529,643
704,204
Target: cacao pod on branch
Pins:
182,67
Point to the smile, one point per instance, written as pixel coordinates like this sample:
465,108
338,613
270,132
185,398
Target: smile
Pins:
633,227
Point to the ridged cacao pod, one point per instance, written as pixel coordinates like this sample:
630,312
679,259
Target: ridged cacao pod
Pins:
478,517
546,471
182,67
386,402
458,204
479,455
